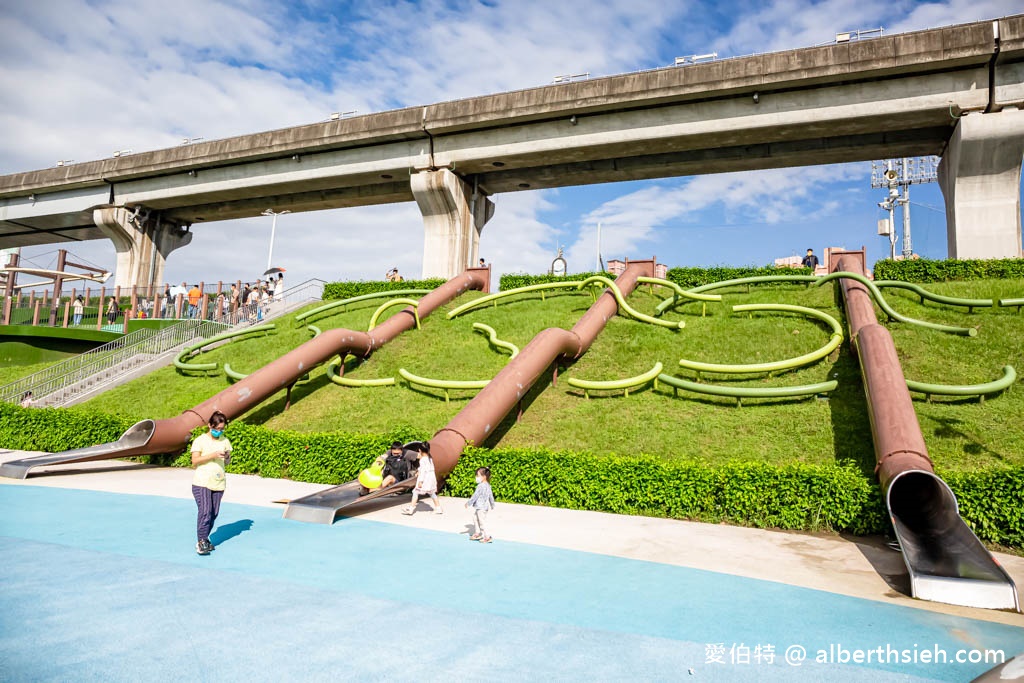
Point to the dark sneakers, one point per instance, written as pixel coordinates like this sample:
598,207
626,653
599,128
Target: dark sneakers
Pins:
204,547
209,545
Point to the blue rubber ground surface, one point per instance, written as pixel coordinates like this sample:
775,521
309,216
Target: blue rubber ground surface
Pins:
100,586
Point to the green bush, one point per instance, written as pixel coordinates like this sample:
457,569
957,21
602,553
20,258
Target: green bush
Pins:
802,496
929,270
335,291
695,277
516,280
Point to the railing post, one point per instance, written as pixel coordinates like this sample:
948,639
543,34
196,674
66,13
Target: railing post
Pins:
67,309
35,313
127,317
99,309
8,305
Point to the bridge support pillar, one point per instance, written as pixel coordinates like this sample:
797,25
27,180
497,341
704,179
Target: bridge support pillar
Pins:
454,213
143,241
980,180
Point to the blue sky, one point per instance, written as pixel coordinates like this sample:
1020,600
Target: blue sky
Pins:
82,79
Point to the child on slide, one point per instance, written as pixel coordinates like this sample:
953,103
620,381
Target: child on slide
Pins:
426,483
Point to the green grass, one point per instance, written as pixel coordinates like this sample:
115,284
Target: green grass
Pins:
961,434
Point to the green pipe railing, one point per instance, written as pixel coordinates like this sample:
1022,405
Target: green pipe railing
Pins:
834,341
1008,303
971,304
493,339
626,308
341,380
615,384
493,298
363,297
315,330
884,305
980,390
679,293
181,363
445,385
753,280
391,304
739,393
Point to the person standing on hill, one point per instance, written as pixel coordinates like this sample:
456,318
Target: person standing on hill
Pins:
112,311
194,295
211,452
810,261
78,307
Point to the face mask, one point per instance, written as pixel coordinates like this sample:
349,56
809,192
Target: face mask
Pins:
479,480
216,433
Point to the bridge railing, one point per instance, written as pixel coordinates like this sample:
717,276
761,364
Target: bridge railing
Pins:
57,384
218,302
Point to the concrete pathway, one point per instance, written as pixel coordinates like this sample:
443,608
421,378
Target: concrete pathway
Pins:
101,582
852,566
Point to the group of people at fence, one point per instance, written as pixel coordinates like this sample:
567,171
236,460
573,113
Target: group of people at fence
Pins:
241,302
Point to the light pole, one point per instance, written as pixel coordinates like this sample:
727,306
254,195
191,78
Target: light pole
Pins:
273,229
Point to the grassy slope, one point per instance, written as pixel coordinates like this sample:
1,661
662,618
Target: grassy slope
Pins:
960,433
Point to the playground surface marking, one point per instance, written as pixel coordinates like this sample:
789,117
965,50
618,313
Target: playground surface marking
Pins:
101,581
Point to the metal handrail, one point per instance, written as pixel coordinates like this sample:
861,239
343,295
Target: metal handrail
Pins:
51,386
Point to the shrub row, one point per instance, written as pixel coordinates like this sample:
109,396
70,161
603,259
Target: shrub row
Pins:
929,270
802,496
515,280
695,277
334,291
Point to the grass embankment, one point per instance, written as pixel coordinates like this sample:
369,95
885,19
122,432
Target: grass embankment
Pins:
961,433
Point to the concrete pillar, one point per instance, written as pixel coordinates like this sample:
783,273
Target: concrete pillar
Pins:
980,180
452,219
143,241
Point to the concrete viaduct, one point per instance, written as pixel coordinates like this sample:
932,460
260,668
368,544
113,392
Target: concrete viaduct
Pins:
955,91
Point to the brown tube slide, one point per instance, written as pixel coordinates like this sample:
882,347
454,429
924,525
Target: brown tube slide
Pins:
945,560
486,410
172,435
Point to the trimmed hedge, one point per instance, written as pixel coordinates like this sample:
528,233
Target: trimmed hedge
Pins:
930,270
800,496
514,280
335,291
695,277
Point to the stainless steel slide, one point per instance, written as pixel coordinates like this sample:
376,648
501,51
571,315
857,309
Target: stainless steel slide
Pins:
945,560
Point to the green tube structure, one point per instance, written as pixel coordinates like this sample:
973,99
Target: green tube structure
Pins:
753,280
315,330
971,304
363,297
492,298
682,293
390,304
626,308
1008,303
834,341
493,339
1001,384
883,304
614,384
181,363
341,380
740,393
445,385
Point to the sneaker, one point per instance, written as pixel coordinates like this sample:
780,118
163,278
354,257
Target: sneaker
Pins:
438,511
201,549
475,537
209,545
407,510
486,539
